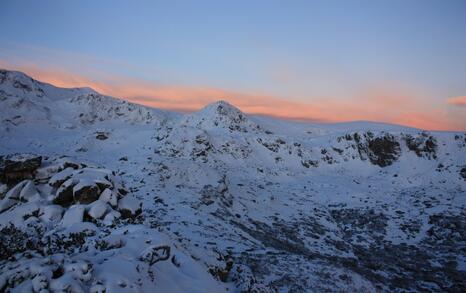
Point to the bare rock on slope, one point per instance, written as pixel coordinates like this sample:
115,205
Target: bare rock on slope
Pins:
17,167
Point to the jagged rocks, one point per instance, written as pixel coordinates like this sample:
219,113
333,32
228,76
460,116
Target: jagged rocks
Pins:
423,145
17,167
382,150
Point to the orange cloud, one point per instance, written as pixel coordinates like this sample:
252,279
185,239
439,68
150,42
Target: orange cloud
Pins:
457,101
383,106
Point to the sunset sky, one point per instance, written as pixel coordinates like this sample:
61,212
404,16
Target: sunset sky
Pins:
401,62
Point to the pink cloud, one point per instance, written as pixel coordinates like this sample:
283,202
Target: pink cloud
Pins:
457,101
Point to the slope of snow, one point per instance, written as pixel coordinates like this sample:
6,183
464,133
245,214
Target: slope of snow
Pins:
266,205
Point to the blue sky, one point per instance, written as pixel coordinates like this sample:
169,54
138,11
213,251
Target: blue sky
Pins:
297,51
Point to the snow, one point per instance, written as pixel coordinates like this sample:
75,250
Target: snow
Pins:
73,214
297,206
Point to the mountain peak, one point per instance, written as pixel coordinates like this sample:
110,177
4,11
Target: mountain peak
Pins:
219,114
221,107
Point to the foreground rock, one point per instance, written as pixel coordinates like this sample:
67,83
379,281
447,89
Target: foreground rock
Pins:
17,167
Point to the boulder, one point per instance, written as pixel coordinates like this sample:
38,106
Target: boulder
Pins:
51,213
110,218
73,215
29,192
109,197
129,207
61,177
86,192
16,190
64,194
6,203
17,167
98,209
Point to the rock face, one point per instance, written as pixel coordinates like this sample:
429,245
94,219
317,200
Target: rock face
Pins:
423,145
17,167
381,150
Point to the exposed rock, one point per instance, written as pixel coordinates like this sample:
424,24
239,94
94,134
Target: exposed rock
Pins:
60,177
17,167
86,192
155,254
463,173
423,145
64,194
381,150
101,135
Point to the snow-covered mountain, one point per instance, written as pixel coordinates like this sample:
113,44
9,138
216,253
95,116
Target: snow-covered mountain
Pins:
245,203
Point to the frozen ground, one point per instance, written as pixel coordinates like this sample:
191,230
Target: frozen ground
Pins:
250,204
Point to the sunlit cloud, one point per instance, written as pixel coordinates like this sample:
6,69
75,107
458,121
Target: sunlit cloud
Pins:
399,107
457,101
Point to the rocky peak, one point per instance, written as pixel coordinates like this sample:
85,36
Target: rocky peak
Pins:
219,114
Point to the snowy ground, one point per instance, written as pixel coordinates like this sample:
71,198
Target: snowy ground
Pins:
261,204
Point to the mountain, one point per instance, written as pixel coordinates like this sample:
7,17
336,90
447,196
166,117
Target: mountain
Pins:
244,203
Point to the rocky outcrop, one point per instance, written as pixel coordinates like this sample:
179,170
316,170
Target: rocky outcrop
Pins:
17,167
381,150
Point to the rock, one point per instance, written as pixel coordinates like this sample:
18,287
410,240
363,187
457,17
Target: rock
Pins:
463,173
101,135
15,191
98,209
155,254
129,207
110,218
382,150
6,203
86,192
64,194
17,167
61,177
73,215
109,197
29,192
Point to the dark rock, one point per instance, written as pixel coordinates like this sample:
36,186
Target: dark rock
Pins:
100,135
463,173
86,193
64,194
423,145
382,150
17,167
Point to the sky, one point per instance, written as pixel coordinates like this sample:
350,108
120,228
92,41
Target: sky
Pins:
397,61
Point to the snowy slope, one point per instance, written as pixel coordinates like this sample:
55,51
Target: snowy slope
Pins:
266,205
